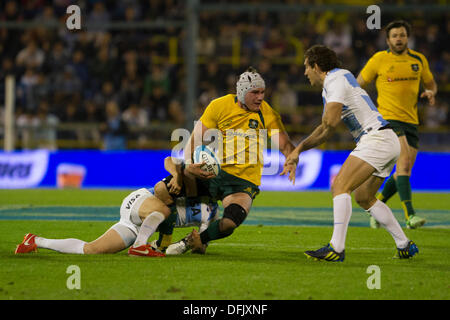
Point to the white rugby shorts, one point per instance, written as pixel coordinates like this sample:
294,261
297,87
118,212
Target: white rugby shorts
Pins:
380,149
130,222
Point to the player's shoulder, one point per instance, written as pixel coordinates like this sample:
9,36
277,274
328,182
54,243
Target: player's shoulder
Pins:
417,55
336,74
266,108
380,55
224,100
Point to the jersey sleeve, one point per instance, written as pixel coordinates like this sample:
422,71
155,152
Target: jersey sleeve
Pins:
274,122
427,76
336,90
210,116
369,72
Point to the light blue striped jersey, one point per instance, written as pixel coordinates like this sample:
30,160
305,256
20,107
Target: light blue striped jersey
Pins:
359,113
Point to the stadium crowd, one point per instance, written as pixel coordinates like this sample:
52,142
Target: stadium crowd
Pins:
126,79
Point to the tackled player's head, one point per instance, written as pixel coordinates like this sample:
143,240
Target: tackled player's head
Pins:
397,34
250,89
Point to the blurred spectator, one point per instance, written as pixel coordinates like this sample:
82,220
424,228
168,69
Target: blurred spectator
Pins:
436,115
136,119
114,130
98,17
176,113
107,93
46,131
157,76
78,73
207,96
212,75
284,101
11,12
25,90
79,66
91,115
37,129
47,14
102,67
338,38
131,85
57,59
206,44
275,46
67,83
26,124
31,56
159,103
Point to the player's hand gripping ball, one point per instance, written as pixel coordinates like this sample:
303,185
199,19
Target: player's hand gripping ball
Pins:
211,163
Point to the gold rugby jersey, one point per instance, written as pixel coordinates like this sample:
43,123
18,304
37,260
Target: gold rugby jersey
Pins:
244,135
398,82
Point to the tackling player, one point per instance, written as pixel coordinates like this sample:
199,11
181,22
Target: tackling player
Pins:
141,213
377,150
239,121
398,72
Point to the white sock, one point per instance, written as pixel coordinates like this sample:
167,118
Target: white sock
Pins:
383,214
342,211
61,245
148,227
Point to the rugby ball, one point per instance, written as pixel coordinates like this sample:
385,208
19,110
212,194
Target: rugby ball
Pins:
204,154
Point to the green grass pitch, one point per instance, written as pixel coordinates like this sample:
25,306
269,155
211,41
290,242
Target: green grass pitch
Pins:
262,260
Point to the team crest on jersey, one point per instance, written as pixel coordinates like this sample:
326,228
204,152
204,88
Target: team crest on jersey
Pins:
253,124
415,67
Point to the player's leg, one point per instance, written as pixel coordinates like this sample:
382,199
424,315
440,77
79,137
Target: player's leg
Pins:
390,186
165,230
110,242
353,173
402,174
236,208
152,212
31,242
365,197
404,190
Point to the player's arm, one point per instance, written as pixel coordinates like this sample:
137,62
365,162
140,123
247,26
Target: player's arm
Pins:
369,71
430,91
175,168
361,81
195,140
285,144
330,120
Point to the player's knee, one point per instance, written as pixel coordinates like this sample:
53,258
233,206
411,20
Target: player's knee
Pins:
226,227
404,164
235,215
364,201
338,188
90,248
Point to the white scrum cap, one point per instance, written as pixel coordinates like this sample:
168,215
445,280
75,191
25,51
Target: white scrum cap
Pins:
249,80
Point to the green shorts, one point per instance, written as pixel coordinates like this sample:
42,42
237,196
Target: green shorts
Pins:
225,184
406,129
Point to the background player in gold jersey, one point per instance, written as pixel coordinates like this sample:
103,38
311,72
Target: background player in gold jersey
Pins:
398,72
239,120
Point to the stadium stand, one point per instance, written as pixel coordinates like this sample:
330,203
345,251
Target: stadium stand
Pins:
125,88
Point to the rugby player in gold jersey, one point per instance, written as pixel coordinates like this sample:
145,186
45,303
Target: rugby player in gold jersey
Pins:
398,73
240,122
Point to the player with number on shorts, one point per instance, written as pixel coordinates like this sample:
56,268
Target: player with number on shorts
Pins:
142,212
